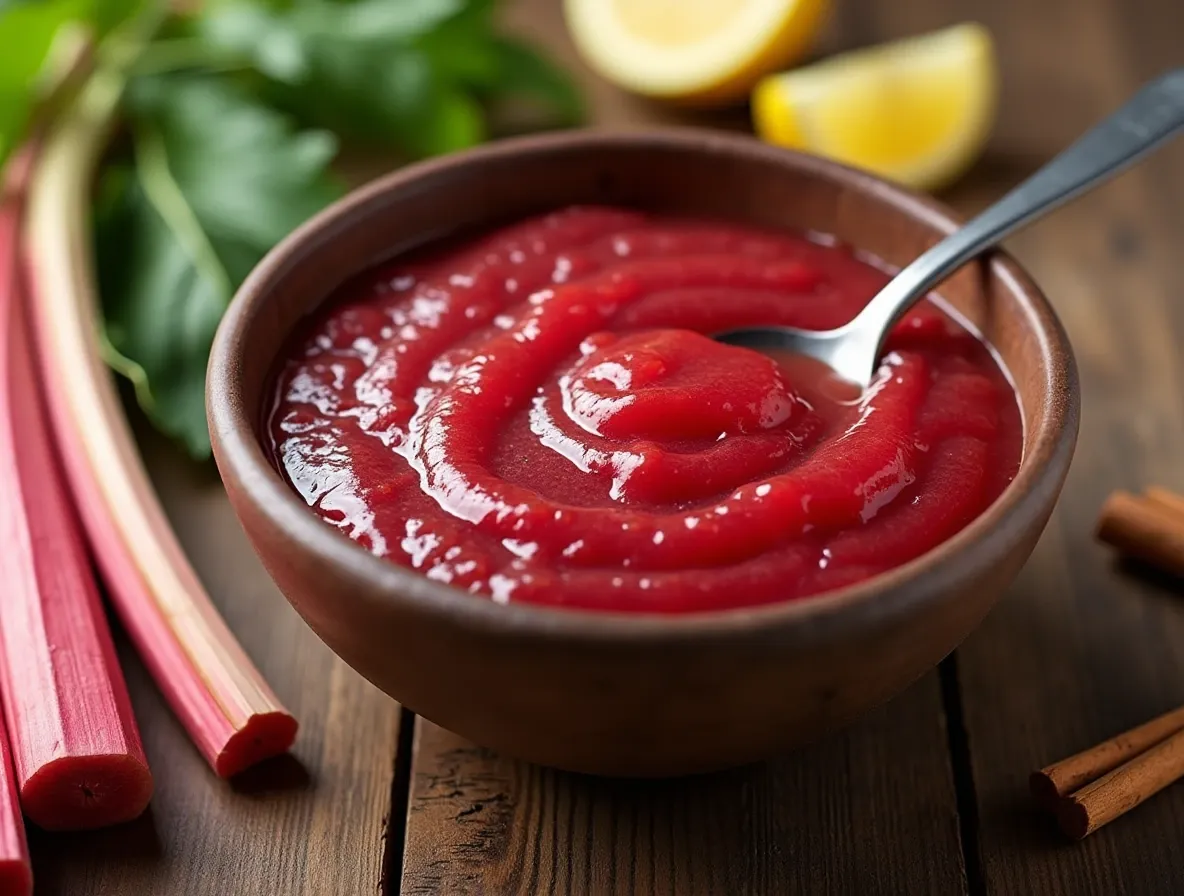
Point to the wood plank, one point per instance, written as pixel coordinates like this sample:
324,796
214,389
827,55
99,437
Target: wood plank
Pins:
844,816
309,824
1080,650
870,810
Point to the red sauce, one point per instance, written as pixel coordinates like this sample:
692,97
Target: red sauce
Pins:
535,415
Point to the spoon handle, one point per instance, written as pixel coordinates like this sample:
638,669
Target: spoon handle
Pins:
1150,117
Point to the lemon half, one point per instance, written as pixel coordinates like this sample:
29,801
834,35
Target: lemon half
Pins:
701,51
918,110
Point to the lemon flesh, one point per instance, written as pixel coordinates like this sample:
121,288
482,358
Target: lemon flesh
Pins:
918,111
702,51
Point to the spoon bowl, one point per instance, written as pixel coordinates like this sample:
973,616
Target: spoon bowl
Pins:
1147,120
850,351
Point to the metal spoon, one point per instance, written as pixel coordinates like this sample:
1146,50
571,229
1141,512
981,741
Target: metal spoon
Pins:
1149,118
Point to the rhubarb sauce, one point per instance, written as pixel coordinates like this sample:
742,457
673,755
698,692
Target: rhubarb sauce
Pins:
539,415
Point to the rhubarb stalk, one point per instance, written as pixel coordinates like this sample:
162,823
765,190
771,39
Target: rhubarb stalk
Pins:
16,873
16,876
228,709
76,749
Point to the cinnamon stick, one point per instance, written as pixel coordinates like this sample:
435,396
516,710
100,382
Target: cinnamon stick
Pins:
1145,529
1124,788
1166,499
1063,778
1097,785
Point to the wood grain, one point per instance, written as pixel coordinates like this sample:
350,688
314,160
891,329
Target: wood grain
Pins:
1081,649
845,816
848,815
310,824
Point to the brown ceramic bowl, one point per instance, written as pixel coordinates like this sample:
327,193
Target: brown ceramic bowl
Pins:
617,693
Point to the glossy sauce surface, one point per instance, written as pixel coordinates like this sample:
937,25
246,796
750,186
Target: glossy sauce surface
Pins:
536,415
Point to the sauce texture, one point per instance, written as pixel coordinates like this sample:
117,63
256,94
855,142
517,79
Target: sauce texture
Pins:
538,415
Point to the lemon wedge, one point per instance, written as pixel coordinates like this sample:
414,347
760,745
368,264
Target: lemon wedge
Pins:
699,51
918,110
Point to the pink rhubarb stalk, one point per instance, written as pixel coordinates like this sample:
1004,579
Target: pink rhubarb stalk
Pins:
228,709
16,872
16,875
76,749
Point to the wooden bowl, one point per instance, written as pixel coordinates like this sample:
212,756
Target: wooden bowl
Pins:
616,693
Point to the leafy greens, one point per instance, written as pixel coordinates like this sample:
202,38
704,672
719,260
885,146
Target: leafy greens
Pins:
231,118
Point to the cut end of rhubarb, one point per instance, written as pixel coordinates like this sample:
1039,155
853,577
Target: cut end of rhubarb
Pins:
80,792
16,878
265,735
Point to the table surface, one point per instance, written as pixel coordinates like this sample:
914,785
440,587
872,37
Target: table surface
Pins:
926,794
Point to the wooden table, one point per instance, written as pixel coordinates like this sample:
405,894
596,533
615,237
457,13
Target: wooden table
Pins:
926,794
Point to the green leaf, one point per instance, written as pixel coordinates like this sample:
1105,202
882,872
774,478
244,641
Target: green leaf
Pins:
373,21
462,48
353,67
413,76
217,180
452,121
161,312
27,30
280,40
522,72
106,15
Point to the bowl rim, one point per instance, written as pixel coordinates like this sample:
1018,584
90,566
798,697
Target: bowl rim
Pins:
889,595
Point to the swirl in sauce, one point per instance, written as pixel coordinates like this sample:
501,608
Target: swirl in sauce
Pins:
535,415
